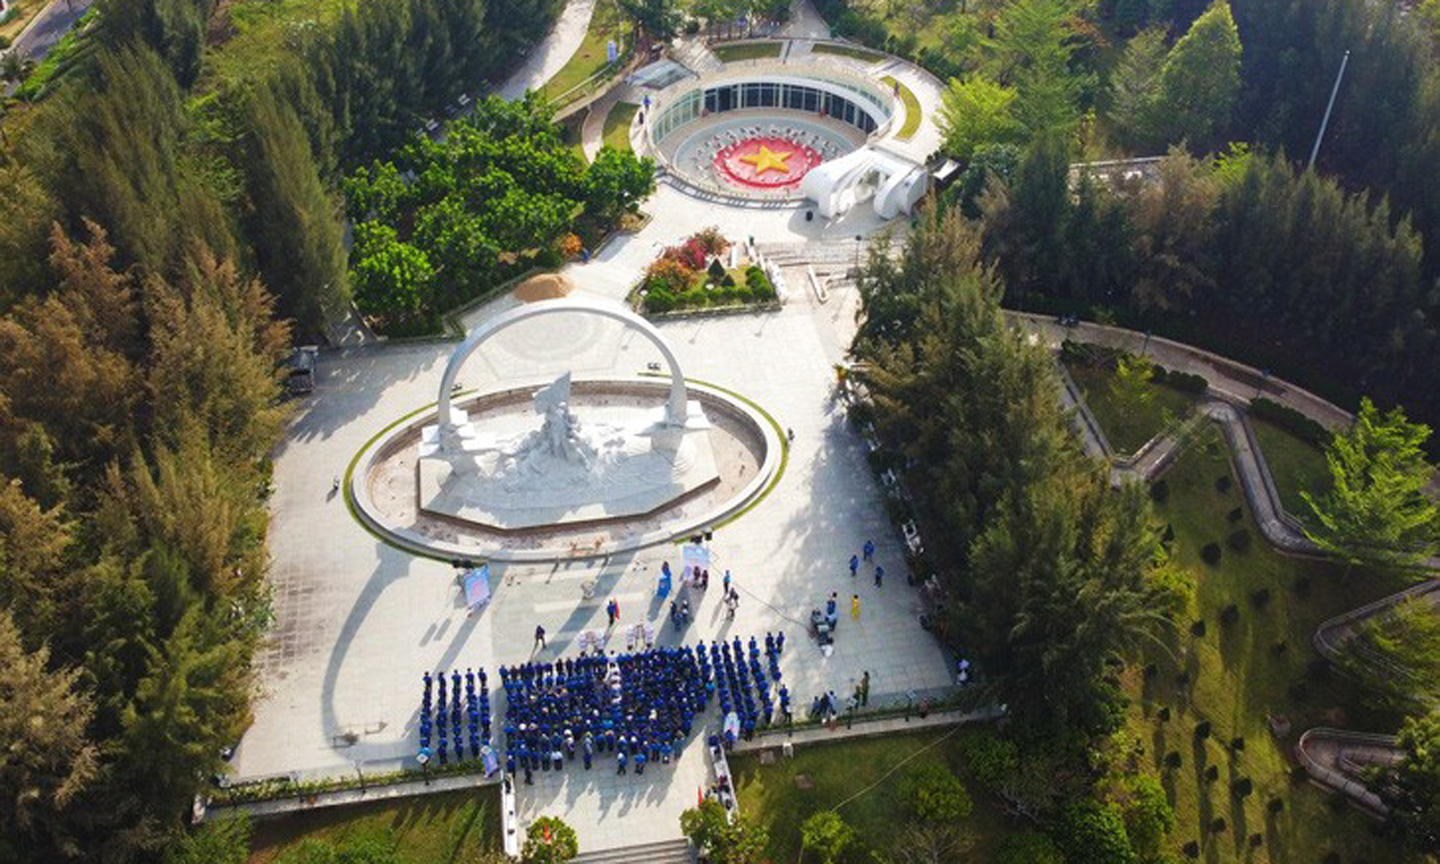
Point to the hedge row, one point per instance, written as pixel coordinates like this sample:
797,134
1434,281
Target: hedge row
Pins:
1290,420
1105,357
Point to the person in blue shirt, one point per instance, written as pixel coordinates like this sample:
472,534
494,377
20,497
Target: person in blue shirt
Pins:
869,549
854,565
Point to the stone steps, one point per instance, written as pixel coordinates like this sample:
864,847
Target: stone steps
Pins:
663,852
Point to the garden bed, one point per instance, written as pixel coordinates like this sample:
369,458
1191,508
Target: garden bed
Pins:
693,277
1250,660
851,51
1295,465
449,826
782,795
735,52
913,114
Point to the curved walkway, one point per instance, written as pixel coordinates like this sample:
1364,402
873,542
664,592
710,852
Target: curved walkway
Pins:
553,52
1334,758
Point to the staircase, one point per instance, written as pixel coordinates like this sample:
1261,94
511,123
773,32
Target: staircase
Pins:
832,259
664,852
696,56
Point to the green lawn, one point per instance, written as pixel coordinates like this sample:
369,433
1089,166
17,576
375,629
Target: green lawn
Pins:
770,793
605,24
912,109
852,51
432,829
1296,466
617,125
747,51
1237,676
570,133
1128,431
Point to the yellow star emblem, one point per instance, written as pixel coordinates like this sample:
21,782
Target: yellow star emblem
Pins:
767,160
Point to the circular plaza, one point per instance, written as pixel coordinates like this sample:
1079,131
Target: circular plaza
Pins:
608,465
759,131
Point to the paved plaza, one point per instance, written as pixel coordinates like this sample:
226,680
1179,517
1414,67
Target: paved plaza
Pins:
358,621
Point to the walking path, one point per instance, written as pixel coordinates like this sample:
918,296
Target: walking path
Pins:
805,22
344,797
553,52
46,29
1335,759
864,728
592,134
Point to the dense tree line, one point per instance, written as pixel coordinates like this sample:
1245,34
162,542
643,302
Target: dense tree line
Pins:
136,414
1023,521
1282,268
149,203
443,220
1051,577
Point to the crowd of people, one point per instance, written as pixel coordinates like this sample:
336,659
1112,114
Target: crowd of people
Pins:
639,707
442,719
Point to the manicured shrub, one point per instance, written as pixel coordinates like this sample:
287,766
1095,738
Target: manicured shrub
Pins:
937,795
1028,847
549,841
1182,381
1210,554
716,270
1091,832
1202,729
1217,826
1169,535
1237,744
1198,628
1164,714
1280,647
1290,420
1173,760
1257,840
991,758
826,835
1299,691
1260,599
1191,849
1276,805
1236,514
1229,615
728,281
1212,773
1159,492
1242,788
1239,541
1222,483
1150,671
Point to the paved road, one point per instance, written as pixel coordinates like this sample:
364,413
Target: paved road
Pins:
41,34
551,55
53,22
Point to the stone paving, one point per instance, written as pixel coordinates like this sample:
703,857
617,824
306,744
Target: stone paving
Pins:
357,621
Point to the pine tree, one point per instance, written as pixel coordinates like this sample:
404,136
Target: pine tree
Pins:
296,225
1376,512
1135,91
1200,81
49,764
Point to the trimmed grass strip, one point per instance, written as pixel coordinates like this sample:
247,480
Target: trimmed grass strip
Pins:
850,51
617,125
747,51
913,114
